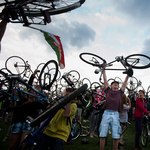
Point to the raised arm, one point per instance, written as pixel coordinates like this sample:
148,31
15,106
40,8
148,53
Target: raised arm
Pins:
124,83
105,80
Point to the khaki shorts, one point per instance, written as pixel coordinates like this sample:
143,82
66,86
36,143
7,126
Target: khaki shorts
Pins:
79,112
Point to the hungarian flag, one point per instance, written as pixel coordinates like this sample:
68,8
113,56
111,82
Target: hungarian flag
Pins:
55,43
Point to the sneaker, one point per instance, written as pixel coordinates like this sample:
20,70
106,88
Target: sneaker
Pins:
5,138
95,135
91,136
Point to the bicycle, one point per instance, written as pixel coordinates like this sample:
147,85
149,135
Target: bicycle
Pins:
145,136
31,139
45,79
125,128
37,11
16,65
72,76
136,61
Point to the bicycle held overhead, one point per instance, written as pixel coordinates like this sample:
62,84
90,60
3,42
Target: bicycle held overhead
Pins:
37,11
136,61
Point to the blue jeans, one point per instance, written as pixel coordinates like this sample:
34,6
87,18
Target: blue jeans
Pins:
47,141
138,130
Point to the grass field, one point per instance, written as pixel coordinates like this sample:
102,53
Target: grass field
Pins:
128,138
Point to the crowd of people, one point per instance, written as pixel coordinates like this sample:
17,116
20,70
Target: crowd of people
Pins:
112,114
116,111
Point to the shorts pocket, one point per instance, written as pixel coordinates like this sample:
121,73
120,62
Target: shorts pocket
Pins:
100,129
119,130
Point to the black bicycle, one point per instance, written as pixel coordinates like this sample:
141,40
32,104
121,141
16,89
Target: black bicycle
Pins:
136,61
145,136
37,11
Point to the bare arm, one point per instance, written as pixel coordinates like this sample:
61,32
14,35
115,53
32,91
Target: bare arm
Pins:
105,80
124,83
129,102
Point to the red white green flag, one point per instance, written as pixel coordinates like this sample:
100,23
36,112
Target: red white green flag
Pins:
56,45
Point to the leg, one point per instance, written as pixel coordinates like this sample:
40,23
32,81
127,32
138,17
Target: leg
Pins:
14,139
102,143
57,144
138,130
115,144
22,137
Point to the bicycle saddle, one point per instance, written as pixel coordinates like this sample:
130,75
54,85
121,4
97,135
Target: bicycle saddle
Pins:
129,72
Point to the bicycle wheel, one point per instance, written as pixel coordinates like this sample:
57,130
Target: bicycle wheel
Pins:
15,65
110,81
85,130
48,76
148,91
138,61
58,75
86,81
144,136
95,86
59,104
72,76
34,9
92,59
132,84
75,130
119,80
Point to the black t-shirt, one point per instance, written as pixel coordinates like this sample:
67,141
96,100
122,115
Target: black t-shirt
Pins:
27,109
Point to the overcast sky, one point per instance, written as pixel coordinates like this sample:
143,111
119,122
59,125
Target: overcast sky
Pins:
108,28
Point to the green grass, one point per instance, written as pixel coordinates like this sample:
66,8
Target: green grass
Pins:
128,140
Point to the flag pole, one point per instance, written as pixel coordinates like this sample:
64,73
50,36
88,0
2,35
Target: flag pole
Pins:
35,28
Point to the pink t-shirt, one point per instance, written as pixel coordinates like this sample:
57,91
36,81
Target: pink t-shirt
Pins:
98,98
113,99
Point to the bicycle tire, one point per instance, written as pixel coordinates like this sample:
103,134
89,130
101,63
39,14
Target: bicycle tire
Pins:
110,81
95,86
11,63
45,80
76,131
84,131
72,76
87,81
148,91
132,84
144,136
58,75
54,8
59,104
144,61
90,55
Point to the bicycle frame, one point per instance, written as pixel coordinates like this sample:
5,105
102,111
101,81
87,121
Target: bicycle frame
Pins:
16,78
31,139
117,59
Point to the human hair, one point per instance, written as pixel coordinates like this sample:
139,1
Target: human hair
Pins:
69,90
115,82
142,91
123,101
